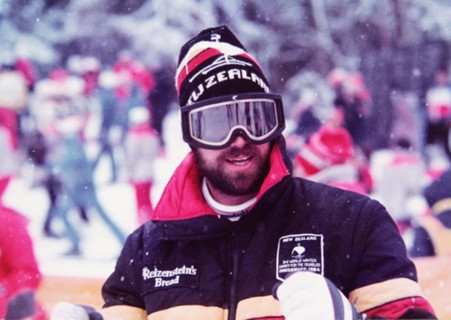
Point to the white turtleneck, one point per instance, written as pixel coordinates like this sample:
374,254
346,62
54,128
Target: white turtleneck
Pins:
233,213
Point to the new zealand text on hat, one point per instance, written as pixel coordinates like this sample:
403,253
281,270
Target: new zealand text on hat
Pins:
214,63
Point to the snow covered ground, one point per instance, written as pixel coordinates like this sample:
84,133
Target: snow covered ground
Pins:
100,249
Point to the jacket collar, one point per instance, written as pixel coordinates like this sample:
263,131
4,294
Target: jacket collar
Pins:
182,197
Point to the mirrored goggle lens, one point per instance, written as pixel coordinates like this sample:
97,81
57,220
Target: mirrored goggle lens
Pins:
214,124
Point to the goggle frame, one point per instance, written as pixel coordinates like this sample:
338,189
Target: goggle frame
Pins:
237,130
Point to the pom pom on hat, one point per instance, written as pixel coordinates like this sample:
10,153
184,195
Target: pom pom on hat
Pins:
328,146
214,63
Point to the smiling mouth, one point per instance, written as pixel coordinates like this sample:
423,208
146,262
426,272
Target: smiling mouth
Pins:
240,161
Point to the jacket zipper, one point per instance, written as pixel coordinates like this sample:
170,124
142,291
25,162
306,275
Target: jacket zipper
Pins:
233,303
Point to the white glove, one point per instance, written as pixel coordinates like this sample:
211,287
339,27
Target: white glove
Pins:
68,311
307,295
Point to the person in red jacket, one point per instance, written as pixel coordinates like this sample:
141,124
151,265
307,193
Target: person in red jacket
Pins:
19,272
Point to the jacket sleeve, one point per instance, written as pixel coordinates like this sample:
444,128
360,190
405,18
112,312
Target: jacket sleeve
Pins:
386,283
122,288
421,244
409,308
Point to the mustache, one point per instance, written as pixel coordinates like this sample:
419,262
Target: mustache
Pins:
246,150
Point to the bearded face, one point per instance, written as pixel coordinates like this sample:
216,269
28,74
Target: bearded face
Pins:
237,170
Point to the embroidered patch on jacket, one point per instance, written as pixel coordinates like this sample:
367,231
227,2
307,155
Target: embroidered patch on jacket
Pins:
300,252
177,277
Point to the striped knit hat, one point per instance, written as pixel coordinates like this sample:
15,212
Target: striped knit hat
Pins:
214,63
326,147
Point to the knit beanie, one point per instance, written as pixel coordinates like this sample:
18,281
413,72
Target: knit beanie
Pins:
214,63
328,146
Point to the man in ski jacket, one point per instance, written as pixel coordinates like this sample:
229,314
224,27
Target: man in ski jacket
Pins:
236,236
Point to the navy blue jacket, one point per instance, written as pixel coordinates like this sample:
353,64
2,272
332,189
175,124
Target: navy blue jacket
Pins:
189,263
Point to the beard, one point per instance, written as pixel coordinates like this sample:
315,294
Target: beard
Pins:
236,183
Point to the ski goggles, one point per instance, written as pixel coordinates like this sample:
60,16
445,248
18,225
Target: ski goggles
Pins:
215,123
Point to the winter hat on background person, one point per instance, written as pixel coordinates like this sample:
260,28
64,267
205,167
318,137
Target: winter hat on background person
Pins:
214,63
328,146
139,115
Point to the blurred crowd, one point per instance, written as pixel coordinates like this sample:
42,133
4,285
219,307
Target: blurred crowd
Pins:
46,127
46,138
411,176
54,133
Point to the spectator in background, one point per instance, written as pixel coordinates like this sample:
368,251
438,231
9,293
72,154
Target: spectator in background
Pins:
26,68
353,99
408,120
136,87
432,231
90,71
62,116
438,106
329,156
19,272
399,174
14,93
87,69
141,149
305,121
75,173
110,114
35,150
162,96
56,95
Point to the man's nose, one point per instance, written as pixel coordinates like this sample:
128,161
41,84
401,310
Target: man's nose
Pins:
239,142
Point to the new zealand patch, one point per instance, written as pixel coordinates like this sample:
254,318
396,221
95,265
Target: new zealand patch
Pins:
300,252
